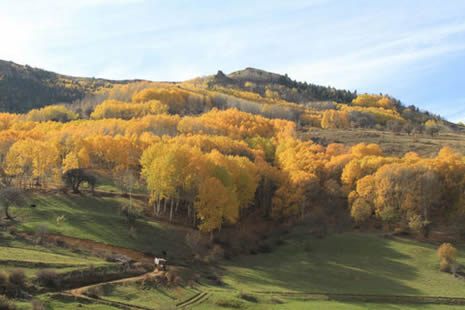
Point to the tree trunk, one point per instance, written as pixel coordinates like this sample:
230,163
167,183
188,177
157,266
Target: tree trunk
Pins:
171,209
164,206
7,214
194,220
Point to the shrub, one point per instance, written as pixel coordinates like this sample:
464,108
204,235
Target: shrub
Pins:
229,303
275,300
444,265
247,297
18,278
448,252
60,243
47,277
447,255
94,292
6,304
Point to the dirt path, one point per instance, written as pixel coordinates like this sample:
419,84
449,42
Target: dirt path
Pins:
94,245
80,291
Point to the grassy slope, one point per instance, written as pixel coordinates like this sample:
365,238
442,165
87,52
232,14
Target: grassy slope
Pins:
391,143
18,254
99,219
341,263
317,304
154,298
346,263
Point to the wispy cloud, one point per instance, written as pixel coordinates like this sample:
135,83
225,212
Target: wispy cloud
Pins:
377,46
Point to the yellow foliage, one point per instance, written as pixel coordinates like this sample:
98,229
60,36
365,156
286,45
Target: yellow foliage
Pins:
125,110
376,101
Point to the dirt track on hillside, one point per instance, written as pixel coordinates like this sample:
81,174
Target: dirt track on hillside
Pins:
94,245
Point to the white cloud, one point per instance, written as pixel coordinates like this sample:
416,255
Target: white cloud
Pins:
364,65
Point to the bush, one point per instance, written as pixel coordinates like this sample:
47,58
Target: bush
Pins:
448,252
94,292
18,278
275,300
60,243
6,304
247,297
47,277
444,265
229,303
447,255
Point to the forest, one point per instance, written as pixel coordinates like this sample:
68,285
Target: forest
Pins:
209,158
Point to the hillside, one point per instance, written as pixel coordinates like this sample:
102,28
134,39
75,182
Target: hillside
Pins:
260,191
259,81
23,88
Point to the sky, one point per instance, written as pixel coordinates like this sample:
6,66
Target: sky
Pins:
413,50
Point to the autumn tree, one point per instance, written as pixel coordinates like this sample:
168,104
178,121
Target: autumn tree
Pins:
211,204
447,254
75,177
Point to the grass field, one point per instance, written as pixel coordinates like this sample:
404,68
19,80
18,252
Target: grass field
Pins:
99,219
392,144
20,254
279,303
347,263
354,263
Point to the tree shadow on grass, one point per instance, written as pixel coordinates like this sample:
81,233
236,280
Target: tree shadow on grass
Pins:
99,219
347,263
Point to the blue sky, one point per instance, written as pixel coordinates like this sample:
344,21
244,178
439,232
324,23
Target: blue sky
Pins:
413,50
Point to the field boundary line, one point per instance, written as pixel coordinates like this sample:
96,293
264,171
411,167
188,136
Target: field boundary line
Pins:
374,298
